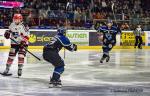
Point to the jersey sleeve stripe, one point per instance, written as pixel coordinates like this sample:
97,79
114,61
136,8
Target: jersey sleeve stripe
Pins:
25,28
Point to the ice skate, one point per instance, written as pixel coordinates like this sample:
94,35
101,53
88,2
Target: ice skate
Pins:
107,58
55,84
19,72
102,59
6,73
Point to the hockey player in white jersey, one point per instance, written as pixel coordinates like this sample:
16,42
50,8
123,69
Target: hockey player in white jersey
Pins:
20,33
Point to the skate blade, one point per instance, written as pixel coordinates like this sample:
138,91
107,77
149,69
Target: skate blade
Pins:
53,86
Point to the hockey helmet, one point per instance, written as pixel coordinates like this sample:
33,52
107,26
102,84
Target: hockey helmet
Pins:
61,30
109,23
17,18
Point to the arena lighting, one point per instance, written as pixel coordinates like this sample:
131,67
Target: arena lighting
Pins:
11,4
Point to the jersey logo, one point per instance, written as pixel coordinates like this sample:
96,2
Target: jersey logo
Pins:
108,36
53,40
15,34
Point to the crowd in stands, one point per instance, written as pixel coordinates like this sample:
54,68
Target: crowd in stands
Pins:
79,13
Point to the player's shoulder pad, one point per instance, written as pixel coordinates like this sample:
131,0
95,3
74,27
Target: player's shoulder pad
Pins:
25,26
114,27
102,28
11,25
63,40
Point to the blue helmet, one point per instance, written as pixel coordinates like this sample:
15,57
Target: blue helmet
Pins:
109,21
61,30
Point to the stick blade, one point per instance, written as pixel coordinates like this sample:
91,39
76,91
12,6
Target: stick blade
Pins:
9,74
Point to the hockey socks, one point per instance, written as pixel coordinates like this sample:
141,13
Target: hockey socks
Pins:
20,69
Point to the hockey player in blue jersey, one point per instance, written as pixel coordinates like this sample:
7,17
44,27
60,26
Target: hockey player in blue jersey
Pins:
108,36
51,54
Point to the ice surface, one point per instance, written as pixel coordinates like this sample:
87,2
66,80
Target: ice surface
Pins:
127,74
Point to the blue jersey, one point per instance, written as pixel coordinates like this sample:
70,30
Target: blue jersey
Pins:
109,34
59,41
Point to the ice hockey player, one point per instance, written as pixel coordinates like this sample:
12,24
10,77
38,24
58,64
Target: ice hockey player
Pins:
51,54
138,32
107,34
19,32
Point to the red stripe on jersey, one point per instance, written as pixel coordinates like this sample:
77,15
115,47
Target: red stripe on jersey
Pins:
25,28
26,37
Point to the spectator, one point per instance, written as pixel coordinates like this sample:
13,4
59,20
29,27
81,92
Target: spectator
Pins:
125,26
45,11
77,14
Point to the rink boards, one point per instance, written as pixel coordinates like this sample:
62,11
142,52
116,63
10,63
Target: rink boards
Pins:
85,39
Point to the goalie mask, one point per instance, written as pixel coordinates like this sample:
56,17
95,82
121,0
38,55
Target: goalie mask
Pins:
17,18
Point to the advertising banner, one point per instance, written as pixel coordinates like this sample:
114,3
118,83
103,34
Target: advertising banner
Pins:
78,37
148,38
40,38
1,40
11,4
93,39
128,39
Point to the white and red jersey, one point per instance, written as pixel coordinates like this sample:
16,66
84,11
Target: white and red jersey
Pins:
19,32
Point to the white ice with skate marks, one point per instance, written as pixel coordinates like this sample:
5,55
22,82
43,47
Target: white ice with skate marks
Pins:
82,70
87,77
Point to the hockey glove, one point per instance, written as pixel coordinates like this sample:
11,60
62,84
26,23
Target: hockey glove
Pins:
7,34
75,47
23,44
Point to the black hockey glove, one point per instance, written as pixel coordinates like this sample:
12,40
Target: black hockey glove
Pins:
75,47
7,34
23,44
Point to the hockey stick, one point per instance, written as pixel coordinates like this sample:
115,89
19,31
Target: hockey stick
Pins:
112,7
64,51
26,50
66,27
